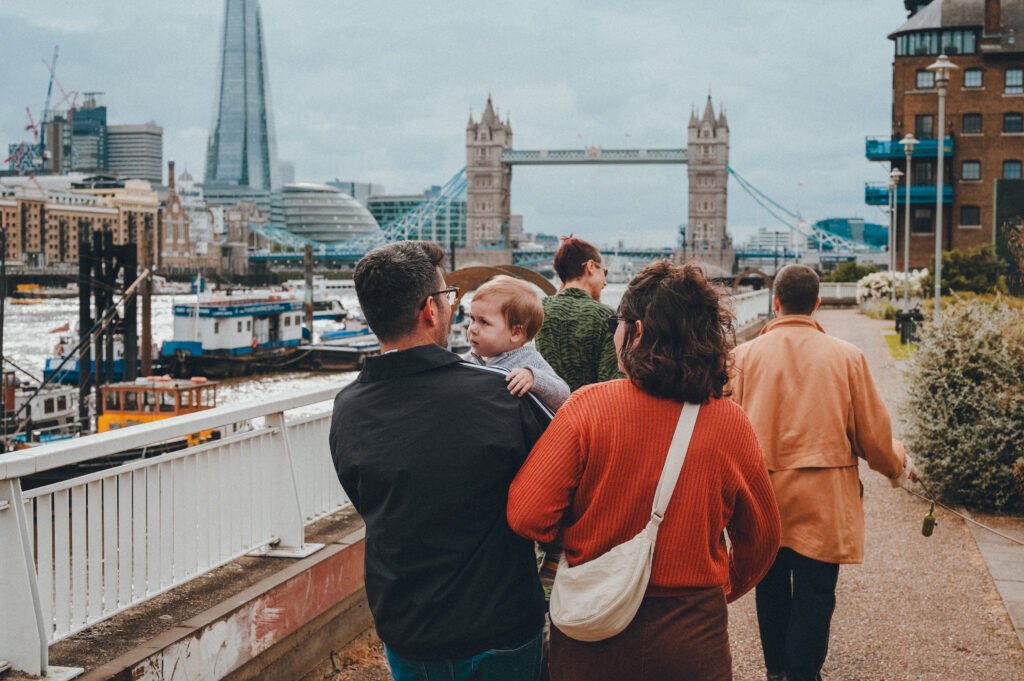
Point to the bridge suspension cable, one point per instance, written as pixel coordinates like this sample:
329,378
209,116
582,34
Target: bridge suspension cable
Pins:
411,225
796,223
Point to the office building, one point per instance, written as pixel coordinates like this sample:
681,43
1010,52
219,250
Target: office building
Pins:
324,214
88,137
136,151
448,225
242,147
984,120
360,191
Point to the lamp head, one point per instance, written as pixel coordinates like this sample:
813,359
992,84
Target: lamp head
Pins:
895,175
942,68
909,142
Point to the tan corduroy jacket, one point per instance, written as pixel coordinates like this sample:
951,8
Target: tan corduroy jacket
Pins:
815,409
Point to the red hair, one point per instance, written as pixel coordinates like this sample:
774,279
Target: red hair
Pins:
572,257
518,301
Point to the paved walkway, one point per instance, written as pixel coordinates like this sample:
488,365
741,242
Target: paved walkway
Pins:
919,608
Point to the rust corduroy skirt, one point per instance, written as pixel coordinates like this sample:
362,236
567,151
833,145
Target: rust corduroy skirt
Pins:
675,637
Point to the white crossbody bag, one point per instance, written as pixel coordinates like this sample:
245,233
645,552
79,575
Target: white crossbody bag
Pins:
598,599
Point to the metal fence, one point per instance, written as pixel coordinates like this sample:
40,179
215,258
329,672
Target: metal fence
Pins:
79,551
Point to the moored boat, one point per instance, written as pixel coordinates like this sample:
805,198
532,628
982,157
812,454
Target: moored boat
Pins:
235,335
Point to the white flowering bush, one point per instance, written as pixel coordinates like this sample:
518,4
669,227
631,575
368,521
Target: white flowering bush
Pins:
879,285
965,409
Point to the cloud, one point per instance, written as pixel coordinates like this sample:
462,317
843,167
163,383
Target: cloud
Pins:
381,92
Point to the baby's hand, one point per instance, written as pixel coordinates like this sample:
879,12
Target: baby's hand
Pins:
519,381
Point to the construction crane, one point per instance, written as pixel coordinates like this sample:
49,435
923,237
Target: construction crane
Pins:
47,115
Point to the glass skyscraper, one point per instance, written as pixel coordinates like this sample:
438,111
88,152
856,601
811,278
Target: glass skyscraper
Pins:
242,149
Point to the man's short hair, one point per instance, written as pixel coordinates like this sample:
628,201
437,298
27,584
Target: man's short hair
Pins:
571,259
518,302
391,283
797,288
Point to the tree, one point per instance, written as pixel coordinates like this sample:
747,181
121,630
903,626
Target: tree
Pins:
850,271
977,269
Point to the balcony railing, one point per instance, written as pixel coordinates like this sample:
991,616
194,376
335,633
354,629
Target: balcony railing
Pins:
878,194
885,149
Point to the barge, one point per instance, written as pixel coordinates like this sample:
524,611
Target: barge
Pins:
235,335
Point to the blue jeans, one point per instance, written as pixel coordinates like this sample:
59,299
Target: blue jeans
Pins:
795,601
521,663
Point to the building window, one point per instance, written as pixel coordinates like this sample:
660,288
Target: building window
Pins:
924,173
925,79
972,123
1013,122
1011,170
1014,83
970,170
924,126
922,223
970,216
972,78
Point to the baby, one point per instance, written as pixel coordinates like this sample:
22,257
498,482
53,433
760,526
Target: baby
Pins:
505,315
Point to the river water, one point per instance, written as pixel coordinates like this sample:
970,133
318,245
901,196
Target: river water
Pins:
30,337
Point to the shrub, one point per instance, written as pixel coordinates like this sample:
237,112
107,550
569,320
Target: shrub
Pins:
849,271
976,269
879,285
965,405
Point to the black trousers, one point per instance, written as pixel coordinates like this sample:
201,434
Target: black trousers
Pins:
795,601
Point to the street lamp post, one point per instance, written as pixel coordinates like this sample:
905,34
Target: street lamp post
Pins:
941,68
894,182
908,142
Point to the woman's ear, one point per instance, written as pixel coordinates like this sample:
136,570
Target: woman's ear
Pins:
639,325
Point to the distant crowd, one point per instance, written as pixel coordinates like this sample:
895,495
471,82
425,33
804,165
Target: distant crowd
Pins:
634,464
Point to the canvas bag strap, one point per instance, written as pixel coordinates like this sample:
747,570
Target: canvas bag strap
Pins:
674,461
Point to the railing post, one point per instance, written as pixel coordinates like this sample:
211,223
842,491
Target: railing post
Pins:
22,633
287,522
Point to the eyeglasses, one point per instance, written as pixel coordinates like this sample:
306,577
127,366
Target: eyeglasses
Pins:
601,267
613,323
452,292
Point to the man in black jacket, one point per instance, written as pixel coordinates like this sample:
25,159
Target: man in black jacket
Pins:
426,447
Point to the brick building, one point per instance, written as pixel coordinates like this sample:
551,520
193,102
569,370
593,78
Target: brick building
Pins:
984,120
43,217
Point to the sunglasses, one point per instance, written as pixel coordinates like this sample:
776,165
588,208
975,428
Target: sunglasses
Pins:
613,323
452,292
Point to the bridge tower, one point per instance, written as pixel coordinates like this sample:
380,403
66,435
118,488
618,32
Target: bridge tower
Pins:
488,186
708,240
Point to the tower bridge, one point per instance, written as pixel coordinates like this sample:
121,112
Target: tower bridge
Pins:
486,183
490,157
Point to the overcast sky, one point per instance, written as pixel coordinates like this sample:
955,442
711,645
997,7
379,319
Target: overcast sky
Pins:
381,92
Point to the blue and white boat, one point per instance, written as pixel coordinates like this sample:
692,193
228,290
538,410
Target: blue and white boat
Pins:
222,335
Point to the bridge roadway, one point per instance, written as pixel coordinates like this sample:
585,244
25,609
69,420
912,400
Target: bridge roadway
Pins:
142,571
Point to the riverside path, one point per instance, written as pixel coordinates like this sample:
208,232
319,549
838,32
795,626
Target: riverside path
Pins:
918,609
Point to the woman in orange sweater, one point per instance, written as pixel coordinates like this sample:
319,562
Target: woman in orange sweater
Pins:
589,482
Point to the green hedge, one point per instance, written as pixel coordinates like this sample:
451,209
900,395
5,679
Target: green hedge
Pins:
965,406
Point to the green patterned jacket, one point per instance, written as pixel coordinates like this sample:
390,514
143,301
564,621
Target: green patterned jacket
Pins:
575,340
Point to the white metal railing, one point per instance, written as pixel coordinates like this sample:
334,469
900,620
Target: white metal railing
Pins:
748,307
79,551
837,289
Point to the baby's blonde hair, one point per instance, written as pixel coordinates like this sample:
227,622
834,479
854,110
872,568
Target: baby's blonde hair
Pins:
519,303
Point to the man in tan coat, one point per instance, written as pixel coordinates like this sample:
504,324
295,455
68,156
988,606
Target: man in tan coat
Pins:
816,411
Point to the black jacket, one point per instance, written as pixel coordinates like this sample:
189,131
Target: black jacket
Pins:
426,447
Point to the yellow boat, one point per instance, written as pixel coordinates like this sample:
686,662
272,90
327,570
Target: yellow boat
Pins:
156,397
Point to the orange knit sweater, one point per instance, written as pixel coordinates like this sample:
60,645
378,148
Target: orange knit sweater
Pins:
590,481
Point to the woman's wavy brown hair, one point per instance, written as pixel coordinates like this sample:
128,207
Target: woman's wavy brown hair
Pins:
683,353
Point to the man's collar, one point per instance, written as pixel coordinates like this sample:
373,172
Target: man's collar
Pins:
792,320
404,362
575,293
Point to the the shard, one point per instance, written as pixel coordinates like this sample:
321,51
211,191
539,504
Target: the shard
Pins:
242,149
